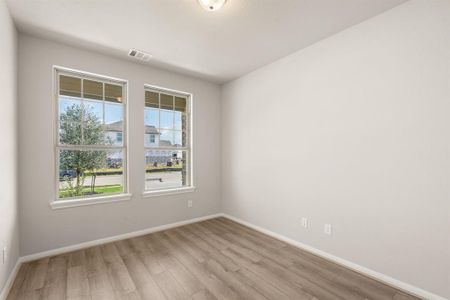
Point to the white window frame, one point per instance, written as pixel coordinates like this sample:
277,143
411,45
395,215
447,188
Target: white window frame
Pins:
88,199
189,148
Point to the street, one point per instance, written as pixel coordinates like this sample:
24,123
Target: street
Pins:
169,180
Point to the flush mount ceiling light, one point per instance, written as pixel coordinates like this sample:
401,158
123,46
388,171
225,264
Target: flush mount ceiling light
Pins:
212,5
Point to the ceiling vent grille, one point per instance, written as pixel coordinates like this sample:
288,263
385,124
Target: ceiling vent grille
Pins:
139,55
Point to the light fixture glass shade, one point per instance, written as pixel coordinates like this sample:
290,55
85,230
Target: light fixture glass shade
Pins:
212,5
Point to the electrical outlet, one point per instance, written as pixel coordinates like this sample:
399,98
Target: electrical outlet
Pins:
189,203
305,222
327,229
4,255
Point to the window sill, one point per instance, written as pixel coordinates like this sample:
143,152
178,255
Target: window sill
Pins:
58,204
155,193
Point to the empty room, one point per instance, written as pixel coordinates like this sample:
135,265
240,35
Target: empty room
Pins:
225,149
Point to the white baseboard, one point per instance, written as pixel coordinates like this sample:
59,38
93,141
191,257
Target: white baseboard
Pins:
5,291
368,272
355,267
119,237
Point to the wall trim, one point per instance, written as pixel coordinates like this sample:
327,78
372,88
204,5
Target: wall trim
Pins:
9,282
355,267
119,237
348,264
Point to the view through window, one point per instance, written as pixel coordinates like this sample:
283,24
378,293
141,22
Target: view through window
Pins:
166,139
91,143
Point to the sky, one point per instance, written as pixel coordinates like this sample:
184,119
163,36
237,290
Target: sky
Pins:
113,112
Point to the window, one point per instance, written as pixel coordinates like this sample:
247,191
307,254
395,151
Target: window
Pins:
90,138
167,140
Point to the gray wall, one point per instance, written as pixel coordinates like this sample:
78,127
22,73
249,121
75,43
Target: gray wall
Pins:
9,224
352,131
43,228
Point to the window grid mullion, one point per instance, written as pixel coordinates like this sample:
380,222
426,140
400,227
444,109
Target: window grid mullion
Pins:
159,113
82,111
89,147
104,106
173,119
166,148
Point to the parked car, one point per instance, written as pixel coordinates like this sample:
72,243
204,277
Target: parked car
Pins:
67,174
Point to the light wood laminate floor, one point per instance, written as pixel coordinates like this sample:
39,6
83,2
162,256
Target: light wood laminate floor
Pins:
214,259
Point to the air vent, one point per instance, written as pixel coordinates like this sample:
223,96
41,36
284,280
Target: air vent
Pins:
139,55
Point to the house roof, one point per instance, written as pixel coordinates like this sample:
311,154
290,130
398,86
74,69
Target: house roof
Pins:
118,127
151,130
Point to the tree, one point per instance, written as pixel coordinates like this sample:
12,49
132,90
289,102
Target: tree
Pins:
79,126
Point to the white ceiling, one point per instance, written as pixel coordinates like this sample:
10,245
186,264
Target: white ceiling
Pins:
182,36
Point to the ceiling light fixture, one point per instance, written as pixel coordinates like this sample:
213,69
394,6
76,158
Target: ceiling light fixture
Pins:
212,5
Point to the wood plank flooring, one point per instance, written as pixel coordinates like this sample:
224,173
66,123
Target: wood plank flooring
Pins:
214,259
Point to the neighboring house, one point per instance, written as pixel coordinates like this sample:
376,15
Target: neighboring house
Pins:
151,138
114,133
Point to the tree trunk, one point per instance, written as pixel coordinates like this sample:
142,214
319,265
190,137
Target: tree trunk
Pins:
77,188
94,177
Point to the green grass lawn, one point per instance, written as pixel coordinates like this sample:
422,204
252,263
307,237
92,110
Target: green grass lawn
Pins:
102,189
